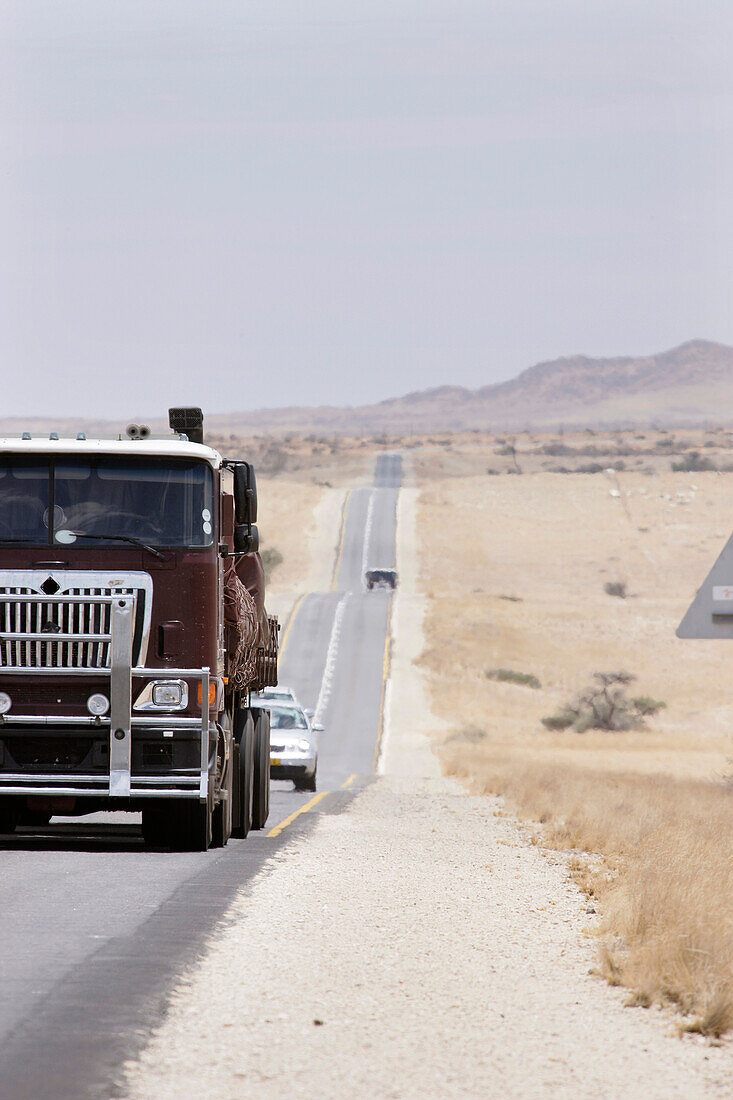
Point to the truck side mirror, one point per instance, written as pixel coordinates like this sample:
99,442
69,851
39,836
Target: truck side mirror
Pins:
245,492
246,539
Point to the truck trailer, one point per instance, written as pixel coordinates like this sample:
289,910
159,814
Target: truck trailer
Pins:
133,632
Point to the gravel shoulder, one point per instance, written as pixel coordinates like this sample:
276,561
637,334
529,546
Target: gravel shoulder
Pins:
414,945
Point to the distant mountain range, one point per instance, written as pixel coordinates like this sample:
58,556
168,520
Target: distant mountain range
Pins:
689,385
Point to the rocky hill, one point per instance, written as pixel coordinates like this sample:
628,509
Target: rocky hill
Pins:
689,385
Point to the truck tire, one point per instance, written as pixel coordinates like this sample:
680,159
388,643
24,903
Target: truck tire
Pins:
36,819
243,773
223,810
261,799
192,824
9,815
156,825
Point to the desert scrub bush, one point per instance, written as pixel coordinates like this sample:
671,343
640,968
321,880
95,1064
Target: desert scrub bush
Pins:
605,705
562,720
509,676
509,449
616,588
273,459
271,558
590,468
556,449
693,462
472,734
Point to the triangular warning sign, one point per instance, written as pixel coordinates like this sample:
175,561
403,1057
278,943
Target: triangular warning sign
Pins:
710,614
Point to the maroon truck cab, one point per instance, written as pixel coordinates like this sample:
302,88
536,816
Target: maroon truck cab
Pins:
117,685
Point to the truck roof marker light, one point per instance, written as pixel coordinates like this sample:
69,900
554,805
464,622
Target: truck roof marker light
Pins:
5,702
54,436
26,435
81,436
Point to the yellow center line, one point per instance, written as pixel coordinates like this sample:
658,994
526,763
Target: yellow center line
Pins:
289,820
291,620
342,536
348,782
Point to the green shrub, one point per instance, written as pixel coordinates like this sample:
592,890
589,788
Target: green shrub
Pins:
271,558
560,721
646,706
472,734
693,462
605,706
509,676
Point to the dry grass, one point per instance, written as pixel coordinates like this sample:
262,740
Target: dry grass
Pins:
664,884
652,804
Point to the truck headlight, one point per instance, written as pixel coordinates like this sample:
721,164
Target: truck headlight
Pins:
5,702
169,693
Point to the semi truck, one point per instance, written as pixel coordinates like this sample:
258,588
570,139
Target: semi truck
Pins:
133,633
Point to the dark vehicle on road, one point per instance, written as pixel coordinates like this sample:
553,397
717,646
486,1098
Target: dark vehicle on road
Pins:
380,578
132,632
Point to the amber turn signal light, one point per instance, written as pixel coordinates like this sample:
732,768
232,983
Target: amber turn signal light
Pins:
212,693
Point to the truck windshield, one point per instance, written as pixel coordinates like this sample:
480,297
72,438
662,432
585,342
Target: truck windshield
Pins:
164,502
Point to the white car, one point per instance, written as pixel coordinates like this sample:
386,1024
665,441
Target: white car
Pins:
293,743
277,695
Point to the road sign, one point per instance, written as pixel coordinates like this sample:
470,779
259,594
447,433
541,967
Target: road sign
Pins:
710,614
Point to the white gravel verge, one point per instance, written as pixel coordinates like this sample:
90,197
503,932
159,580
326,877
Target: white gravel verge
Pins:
414,946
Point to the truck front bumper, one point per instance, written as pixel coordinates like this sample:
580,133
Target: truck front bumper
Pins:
121,772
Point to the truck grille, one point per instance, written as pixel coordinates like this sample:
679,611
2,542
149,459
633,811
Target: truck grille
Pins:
72,613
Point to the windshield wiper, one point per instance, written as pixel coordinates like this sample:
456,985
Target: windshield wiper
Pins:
119,538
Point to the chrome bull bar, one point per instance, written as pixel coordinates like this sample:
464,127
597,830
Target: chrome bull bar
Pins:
120,783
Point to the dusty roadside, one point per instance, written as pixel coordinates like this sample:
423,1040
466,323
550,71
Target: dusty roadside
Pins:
303,523
415,945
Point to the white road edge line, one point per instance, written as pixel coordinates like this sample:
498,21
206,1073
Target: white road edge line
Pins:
386,726
367,537
333,643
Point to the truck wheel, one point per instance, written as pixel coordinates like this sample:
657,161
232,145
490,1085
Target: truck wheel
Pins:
9,815
156,826
243,774
36,819
222,820
192,823
261,800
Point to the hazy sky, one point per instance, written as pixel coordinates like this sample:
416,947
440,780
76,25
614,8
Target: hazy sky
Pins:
239,203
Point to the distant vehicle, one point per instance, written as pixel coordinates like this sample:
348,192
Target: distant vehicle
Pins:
278,695
293,744
381,578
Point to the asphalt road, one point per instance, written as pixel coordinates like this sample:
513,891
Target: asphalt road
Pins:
95,929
